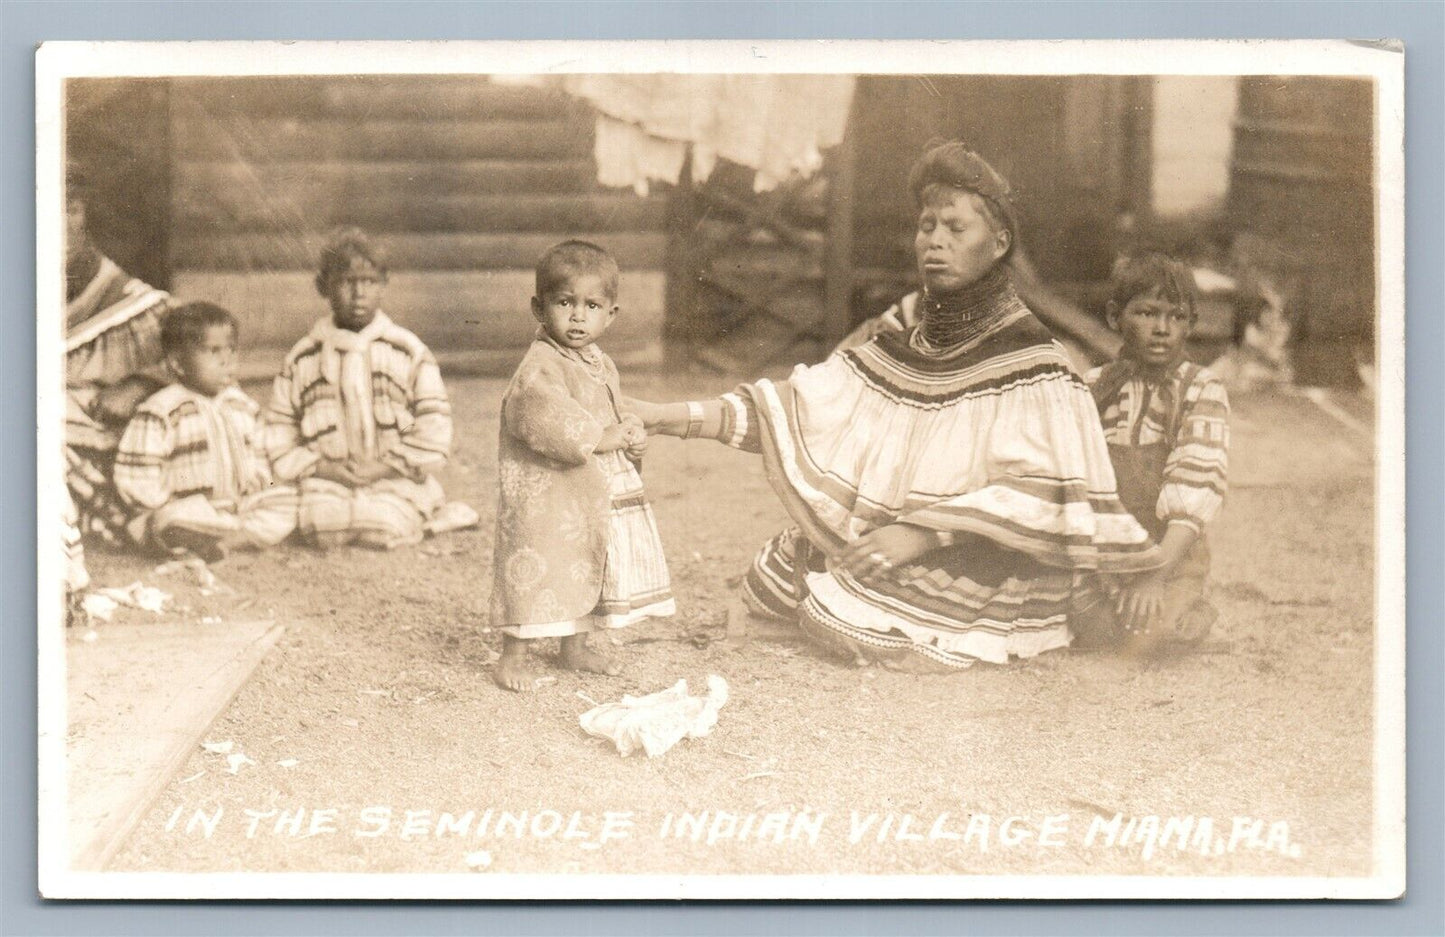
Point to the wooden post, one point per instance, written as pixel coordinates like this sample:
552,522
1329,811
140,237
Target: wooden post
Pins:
1139,172
838,255
679,323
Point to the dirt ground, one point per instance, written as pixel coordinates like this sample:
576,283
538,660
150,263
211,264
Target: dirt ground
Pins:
380,692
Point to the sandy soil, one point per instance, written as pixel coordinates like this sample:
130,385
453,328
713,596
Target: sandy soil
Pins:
380,691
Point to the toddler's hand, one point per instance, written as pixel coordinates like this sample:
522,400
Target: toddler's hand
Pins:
635,440
612,438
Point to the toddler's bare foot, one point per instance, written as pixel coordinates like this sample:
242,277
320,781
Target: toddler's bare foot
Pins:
576,655
512,672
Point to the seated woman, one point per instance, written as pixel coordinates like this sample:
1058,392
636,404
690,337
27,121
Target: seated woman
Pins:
946,481
113,361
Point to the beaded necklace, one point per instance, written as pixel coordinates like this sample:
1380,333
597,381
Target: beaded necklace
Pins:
953,319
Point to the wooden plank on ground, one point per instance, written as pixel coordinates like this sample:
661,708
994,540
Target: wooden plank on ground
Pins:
139,700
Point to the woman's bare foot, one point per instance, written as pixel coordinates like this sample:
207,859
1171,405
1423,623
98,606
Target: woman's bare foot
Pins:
511,671
576,655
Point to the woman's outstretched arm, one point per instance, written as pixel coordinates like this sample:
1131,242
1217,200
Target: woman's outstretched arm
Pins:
684,419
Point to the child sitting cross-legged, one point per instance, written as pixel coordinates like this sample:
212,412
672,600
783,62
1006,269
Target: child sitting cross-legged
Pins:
1166,421
577,548
359,418
190,461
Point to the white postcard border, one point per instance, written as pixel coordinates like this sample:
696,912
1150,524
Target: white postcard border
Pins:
1382,61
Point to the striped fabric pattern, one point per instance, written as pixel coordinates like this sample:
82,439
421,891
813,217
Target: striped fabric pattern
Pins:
997,441
193,461
110,300
77,578
180,443
112,333
1188,410
635,581
384,515
304,421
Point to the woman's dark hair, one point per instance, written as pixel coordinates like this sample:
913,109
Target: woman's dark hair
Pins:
1142,273
341,247
956,166
184,327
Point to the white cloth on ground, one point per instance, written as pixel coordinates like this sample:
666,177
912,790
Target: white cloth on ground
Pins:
656,722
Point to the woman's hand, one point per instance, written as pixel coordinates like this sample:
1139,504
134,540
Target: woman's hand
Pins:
646,412
880,552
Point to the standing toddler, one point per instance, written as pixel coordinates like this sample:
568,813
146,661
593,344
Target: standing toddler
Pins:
577,548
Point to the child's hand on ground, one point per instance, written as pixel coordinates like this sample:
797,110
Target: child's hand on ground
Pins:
1140,603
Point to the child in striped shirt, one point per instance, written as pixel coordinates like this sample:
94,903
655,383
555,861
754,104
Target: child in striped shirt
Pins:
359,418
1166,421
190,461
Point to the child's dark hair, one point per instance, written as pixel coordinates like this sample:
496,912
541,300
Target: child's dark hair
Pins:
184,327
561,262
1142,273
342,246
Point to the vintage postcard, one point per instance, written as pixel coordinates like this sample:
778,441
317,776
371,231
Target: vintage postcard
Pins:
721,470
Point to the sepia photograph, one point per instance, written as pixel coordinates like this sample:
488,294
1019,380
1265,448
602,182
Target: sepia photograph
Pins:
621,470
